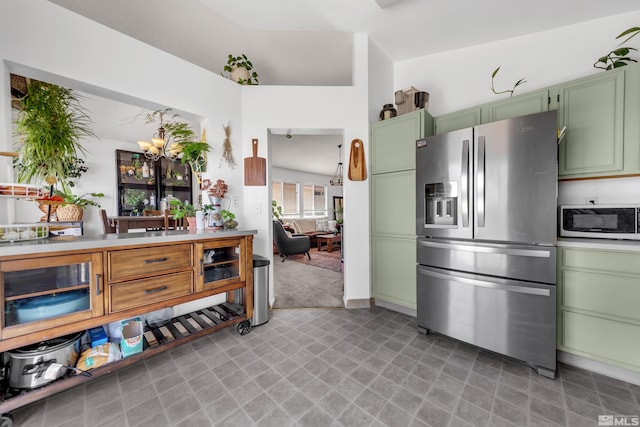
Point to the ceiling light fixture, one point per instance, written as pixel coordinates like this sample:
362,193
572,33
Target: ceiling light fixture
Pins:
160,145
336,179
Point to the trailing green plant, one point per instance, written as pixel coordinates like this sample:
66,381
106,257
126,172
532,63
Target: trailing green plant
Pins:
619,57
241,61
509,91
276,210
180,209
49,127
82,201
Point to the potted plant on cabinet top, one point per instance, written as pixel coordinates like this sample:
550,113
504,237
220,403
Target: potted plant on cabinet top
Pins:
229,219
50,124
72,206
240,68
180,209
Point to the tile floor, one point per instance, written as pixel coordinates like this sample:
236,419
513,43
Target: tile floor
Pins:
323,367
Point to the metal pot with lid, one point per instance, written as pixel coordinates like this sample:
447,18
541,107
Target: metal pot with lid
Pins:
38,364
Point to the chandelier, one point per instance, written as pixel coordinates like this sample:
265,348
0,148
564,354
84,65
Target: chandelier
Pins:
160,145
336,179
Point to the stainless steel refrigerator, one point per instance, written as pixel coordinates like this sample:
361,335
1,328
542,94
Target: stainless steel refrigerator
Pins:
486,236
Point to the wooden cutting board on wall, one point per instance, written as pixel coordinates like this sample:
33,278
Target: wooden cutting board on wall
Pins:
255,168
357,165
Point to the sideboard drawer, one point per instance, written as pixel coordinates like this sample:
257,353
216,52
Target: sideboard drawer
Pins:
130,263
137,293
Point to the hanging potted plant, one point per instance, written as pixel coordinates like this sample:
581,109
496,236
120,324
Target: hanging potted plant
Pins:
50,125
239,69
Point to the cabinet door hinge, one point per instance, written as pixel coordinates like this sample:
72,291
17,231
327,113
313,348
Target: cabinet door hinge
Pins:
558,98
548,100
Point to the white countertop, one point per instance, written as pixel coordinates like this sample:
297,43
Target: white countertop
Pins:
101,241
607,244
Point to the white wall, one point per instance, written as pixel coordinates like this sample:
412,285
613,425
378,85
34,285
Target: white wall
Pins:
380,82
284,107
302,178
461,78
59,46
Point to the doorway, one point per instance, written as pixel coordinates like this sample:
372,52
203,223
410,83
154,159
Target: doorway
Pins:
302,164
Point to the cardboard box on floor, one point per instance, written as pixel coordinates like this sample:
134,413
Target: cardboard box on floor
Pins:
131,341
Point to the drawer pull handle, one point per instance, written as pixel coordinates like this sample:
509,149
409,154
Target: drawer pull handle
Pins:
98,276
201,267
154,290
151,261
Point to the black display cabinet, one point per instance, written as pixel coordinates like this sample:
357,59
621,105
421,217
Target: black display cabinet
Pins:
143,183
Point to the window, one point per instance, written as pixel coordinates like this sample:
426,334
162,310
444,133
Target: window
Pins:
315,200
286,195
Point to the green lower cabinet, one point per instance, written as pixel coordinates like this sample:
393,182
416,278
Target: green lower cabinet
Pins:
393,204
605,340
598,294
394,270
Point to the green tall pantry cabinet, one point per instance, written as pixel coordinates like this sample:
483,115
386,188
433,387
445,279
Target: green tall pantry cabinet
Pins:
393,206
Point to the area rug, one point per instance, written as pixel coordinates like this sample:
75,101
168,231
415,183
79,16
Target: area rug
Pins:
322,259
299,285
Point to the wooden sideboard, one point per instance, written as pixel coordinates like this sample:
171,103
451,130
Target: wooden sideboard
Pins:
116,277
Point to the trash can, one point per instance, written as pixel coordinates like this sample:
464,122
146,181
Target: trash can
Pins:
260,291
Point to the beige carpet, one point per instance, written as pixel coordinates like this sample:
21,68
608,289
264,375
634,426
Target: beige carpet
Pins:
298,285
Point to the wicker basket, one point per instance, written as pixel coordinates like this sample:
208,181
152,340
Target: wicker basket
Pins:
69,213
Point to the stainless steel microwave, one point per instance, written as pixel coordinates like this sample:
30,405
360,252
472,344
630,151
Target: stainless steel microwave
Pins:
600,221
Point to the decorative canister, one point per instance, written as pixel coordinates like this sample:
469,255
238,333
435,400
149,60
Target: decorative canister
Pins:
388,112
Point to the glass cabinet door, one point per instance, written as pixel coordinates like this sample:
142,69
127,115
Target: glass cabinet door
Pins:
137,184
222,264
43,290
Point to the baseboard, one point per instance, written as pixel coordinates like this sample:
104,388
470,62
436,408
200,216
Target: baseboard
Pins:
616,372
358,303
396,307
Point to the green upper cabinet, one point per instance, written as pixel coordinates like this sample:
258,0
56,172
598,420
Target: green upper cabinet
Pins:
458,120
592,110
521,105
393,141
600,113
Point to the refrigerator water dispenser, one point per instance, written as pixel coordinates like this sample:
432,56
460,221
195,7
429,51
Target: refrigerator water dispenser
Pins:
441,201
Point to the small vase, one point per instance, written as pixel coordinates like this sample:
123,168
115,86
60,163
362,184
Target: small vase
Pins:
49,215
191,220
239,73
230,224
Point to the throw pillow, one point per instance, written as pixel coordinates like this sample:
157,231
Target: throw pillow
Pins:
296,227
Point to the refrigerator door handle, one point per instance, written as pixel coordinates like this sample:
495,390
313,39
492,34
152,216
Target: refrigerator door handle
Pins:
464,184
491,285
536,253
480,183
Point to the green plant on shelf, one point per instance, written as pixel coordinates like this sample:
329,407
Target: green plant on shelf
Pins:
180,209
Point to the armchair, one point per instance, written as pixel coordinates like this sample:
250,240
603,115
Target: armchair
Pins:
290,245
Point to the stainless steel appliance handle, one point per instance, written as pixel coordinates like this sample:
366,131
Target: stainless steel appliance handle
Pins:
536,253
492,285
464,183
480,182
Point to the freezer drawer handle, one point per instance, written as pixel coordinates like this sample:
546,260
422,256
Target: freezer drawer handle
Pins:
537,253
491,285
